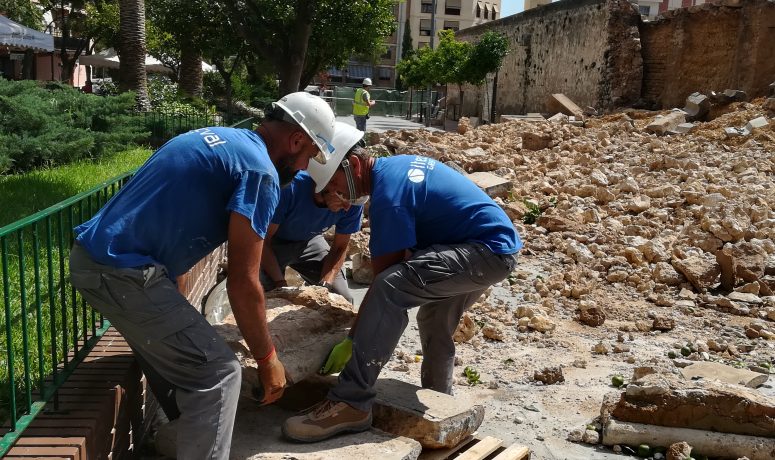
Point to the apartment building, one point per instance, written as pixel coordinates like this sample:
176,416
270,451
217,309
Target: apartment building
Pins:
650,9
449,14
530,4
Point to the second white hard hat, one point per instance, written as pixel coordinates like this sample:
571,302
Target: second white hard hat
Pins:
314,116
345,137
367,82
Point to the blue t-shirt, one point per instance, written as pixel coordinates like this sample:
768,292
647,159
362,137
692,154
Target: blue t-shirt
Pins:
176,209
417,202
299,219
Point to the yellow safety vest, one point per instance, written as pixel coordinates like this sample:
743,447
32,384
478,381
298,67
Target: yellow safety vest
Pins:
359,107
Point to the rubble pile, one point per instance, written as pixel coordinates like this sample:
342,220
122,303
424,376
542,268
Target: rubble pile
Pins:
612,213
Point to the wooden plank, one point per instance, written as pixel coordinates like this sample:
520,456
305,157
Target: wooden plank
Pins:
481,449
514,452
443,454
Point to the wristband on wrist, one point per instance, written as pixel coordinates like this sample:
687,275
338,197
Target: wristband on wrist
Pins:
266,358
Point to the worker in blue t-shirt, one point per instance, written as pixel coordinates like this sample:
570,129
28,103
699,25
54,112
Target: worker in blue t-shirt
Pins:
295,238
200,190
437,243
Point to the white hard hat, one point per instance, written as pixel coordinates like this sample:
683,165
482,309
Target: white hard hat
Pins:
367,82
314,116
345,137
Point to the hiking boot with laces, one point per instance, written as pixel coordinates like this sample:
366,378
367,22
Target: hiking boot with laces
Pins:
326,419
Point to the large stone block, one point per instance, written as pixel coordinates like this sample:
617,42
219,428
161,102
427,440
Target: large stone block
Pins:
662,124
701,271
433,419
664,400
305,323
491,184
562,104
716,371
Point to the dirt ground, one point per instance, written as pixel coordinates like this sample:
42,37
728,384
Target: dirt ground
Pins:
639,250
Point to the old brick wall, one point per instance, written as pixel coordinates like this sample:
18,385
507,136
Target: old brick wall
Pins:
587,49
709,48
202,277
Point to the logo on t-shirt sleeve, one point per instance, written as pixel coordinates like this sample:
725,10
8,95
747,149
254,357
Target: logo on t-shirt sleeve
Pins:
418,168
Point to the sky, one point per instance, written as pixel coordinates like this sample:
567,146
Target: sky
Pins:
509,7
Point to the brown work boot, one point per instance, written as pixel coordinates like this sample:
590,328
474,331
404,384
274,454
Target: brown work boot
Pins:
326,419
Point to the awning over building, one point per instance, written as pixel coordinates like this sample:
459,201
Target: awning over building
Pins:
18,36
108,58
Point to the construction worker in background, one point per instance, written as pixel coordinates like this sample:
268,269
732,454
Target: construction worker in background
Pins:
295,236
437,243
201,189
361,104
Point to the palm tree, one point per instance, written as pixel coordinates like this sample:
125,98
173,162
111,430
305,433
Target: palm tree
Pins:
132,51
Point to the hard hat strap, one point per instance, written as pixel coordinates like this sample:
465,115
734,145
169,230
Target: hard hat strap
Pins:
348,174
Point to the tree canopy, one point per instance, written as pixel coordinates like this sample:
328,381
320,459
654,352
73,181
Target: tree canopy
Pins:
454,61
301,37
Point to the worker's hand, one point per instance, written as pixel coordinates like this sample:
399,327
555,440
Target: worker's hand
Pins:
279,284
271,373
338,357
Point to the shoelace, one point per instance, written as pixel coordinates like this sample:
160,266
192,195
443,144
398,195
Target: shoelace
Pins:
325,409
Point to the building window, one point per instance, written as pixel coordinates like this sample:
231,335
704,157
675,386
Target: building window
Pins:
486,12
423,45
494,12
452,8
426,6
388,54
478,9
385,73
452,25
425,27
644,10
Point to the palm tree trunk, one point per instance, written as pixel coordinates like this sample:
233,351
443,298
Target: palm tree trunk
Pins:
190,78
132,51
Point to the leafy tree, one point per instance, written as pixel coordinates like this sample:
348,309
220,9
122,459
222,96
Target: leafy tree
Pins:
24,12
102,24
486,57
301,37
407,48
419,69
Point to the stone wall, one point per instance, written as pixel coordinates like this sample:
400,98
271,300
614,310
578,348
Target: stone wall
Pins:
600,54
587,49
709,48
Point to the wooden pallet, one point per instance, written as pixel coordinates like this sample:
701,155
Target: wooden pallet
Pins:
476,448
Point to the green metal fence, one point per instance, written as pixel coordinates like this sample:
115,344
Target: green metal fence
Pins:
392,103
165,126
47,328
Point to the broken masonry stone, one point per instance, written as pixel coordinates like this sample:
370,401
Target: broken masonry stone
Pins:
592,316
664,123
362,271
736,95
756,123
305,323
702,271
684,128
679,451
436,420
663,323
536,141
494,186
562,104
664,400
466,329
549,375
697,106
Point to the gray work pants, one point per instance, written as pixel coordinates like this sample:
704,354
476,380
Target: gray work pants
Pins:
178,350
306,257
360,122
444,281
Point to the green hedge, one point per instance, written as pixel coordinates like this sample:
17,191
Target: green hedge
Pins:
57,124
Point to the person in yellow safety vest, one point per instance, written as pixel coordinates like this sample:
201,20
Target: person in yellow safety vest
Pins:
361,104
